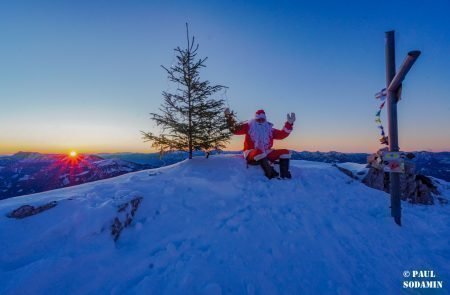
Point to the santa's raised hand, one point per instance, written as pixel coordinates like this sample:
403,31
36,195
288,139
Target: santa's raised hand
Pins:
291,118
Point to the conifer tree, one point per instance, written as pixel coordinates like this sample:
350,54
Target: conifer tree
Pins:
190,118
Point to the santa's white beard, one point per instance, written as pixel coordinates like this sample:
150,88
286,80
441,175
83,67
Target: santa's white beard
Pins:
261,134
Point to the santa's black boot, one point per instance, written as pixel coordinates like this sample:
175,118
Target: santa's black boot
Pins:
267,168
284,168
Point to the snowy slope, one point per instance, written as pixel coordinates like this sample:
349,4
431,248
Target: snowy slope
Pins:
211,226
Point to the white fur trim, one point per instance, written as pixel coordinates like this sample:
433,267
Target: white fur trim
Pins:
260,116
260,156
246,152
287,130
286,156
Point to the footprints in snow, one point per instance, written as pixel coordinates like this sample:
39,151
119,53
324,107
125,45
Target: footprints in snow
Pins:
235,221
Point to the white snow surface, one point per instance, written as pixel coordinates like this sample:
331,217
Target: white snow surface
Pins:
212,226
354,167
359,170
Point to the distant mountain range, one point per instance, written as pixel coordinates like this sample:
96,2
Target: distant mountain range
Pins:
154,159
427,163
331,157
433,164
27,172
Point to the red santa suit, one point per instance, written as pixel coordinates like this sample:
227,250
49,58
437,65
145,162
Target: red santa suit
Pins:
259,138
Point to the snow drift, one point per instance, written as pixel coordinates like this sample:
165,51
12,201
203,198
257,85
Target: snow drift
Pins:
212,226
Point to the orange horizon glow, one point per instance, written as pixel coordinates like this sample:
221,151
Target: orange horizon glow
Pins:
235,145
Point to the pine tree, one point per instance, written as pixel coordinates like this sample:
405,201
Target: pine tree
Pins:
189,118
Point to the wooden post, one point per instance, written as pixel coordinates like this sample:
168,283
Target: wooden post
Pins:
393,85
392,122
404,69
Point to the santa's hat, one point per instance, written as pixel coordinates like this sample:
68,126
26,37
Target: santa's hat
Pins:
260,114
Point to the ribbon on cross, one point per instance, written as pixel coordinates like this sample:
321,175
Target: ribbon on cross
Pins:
382,97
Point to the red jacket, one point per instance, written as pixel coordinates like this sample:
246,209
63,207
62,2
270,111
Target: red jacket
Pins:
243,129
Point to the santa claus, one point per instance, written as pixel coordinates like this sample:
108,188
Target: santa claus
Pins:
259,137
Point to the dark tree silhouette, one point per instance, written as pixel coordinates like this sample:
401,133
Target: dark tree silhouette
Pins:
189,118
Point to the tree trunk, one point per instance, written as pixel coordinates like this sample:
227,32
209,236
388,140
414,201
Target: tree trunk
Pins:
190,120
190,128
189,86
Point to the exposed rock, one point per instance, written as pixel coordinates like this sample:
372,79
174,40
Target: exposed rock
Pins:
125,216
28,210
415,188
377,179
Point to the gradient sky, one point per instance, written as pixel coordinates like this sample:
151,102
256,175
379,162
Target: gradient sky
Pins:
84,75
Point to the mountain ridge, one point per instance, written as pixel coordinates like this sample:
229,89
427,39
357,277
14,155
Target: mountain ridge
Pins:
27,172
21,173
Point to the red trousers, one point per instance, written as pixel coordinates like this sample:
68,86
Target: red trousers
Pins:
272,155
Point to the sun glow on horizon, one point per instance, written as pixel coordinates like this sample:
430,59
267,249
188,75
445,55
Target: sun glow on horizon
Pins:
73,154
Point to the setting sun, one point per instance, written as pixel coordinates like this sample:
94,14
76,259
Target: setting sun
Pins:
73,154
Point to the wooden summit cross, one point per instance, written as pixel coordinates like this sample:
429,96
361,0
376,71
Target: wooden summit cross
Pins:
393,89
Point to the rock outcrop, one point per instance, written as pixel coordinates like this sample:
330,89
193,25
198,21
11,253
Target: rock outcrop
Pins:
28,210
125,216
415,188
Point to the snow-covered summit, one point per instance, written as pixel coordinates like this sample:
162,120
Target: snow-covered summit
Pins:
212,226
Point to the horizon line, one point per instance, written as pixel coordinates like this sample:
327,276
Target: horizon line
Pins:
236,151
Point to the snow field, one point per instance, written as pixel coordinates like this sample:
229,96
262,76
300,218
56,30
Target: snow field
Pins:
212,226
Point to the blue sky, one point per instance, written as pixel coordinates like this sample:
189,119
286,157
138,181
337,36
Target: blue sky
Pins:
85,74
